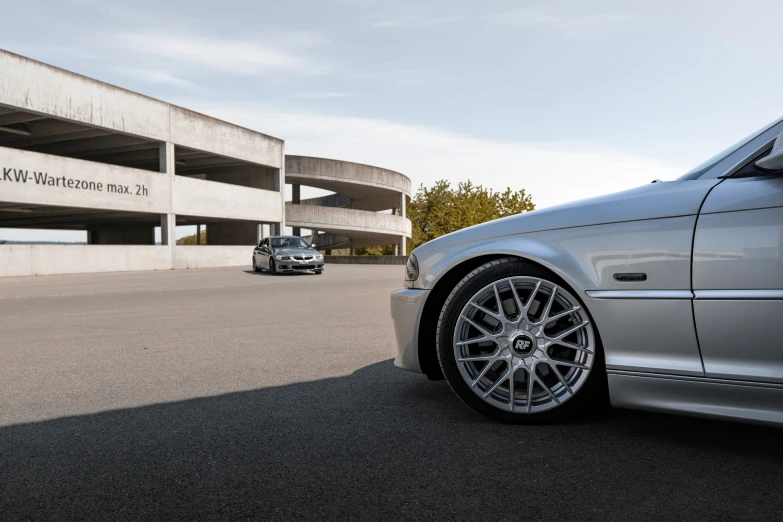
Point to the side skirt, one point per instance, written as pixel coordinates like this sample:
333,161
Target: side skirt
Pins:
714,398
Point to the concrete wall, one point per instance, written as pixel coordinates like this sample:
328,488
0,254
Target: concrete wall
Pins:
198,197
27,260
212,256
337,219
306,167
366,260
30,260
37,87
18,165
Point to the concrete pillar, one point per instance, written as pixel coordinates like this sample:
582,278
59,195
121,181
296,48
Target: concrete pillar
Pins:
168,222
402,213
350,250
198,234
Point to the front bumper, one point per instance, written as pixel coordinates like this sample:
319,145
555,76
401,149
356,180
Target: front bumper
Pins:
406,308
294,265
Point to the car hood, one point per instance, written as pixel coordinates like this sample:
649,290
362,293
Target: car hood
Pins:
295,252
651,201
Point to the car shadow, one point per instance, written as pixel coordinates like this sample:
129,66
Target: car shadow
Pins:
379,444
265,273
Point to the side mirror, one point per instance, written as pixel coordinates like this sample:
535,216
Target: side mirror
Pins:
312,246
773,162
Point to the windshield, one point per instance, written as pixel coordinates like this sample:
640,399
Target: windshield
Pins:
703,167
289,242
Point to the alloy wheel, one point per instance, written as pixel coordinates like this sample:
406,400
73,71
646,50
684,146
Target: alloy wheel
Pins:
524,344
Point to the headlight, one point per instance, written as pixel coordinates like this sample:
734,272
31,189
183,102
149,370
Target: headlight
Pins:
412,268
319,257
283,258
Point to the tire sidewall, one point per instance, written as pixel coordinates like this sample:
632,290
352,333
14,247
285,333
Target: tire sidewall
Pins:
463,292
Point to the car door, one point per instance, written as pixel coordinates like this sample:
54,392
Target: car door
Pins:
257,253
263,254
738,276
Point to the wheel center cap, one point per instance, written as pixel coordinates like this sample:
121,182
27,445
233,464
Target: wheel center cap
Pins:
523,344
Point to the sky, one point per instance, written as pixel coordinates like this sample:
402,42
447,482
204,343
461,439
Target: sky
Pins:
564,99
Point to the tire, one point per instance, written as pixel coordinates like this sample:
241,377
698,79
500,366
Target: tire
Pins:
540,339
272,266
319,272
255,265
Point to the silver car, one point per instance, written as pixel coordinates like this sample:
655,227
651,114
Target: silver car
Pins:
287,254
668,297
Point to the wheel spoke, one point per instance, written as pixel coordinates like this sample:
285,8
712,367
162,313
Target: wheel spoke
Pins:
500,303
572,346
478,327
497,383
562,380
562,314
472,341
517,300
481,375
544,386
477,358
571,330
569,364
511,390
485,310
532,297
548,306
529,391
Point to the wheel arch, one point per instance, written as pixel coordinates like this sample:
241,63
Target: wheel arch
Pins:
442,287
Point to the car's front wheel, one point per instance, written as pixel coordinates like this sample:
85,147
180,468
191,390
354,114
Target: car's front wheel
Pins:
517,346
272,266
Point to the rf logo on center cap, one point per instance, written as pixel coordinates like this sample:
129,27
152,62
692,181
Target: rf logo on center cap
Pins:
523,344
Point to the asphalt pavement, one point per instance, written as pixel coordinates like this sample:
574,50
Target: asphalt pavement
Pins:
222,394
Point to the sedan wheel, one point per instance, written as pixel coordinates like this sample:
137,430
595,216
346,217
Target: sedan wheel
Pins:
272,267
255,265
516,345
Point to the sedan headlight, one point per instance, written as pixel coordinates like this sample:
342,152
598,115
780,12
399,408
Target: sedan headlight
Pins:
412,268
319,257
283,258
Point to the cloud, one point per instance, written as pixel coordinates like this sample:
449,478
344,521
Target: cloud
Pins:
410,23
405,77
210,54
154,76
550,18
324,95
552,172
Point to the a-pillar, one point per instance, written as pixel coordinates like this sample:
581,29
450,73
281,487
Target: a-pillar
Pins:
402,213
168,222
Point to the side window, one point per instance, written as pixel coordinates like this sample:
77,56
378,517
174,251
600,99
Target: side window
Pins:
265,243
749,171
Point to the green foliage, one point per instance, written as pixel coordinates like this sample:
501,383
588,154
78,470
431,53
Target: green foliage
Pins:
441,209
385,250
191,240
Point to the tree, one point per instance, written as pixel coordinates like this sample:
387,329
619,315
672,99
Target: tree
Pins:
191,239
441,209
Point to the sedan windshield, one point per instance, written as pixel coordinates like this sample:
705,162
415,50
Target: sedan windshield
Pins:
289,242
